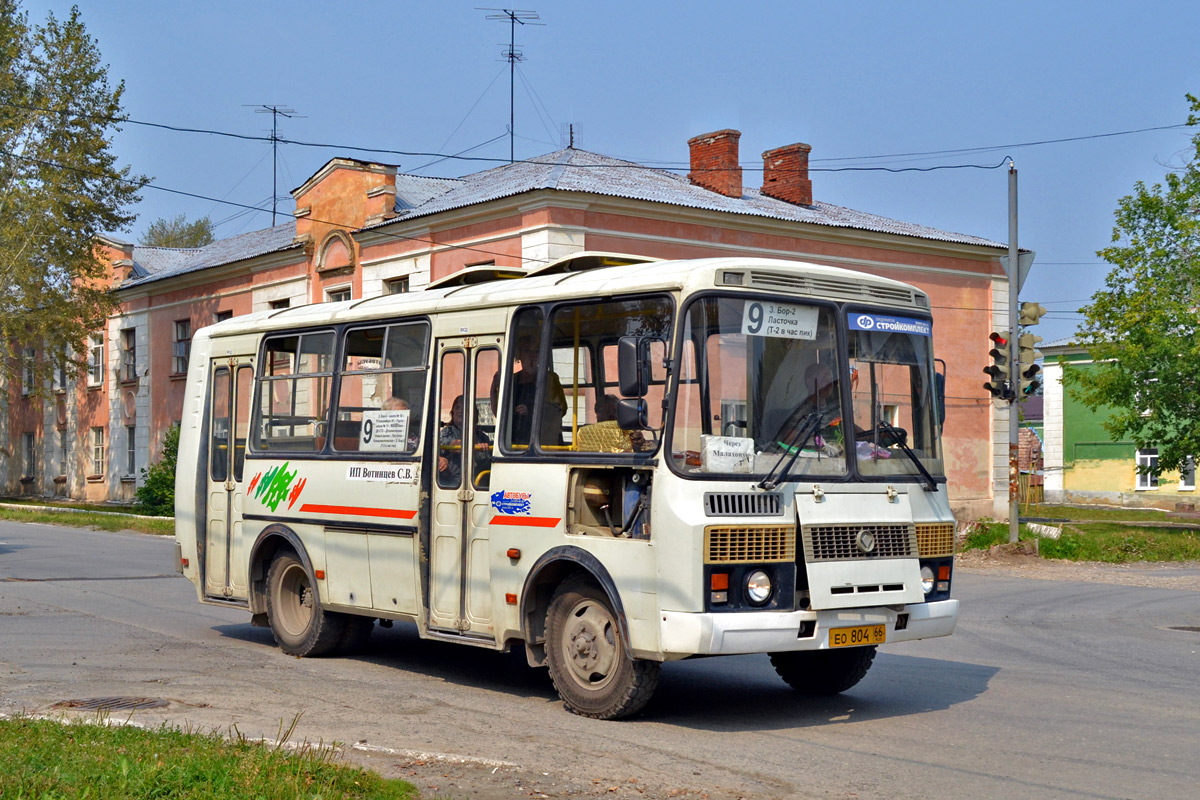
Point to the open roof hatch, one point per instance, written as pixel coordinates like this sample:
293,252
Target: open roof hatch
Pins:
482,274
579,262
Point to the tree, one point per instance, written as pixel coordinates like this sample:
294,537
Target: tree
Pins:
156,495
1143,328
178,232
60,187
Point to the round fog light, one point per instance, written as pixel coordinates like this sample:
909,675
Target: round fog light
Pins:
926,579
758,587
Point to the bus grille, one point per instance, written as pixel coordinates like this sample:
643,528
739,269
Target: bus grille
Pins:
840,542
730,544
742,504
935,539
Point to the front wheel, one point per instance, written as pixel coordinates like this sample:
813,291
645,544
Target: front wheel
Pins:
593,673
823,672
300,625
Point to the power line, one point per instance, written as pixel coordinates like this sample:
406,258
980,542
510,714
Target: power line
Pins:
660,165
146,184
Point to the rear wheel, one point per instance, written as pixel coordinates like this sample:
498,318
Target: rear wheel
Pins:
594,674
820,672
300,625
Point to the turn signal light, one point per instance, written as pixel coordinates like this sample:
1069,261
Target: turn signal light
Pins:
320,574
514,553
720,581
944,572
510,598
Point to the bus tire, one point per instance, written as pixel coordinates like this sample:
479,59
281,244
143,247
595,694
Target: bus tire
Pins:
823,672
300,625
585,651
357,632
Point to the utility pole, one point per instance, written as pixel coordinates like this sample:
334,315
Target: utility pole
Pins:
514,17
276,112
1014,469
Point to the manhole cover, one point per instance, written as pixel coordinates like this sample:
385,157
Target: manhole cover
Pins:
1188,628
113,703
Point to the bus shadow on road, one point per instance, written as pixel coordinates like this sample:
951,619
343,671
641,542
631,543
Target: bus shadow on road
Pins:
742,693
731,693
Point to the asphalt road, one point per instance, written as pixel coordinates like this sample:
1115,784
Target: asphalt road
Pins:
1049,689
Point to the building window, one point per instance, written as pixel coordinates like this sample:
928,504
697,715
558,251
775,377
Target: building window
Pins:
62,453
279,304
1187,476
180,345
96,359
97,451
130,450
1147,460
129,354
224,315
60,380
337,295
397,286
28,359
29,468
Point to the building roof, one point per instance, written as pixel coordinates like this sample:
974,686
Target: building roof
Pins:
157,263
573,170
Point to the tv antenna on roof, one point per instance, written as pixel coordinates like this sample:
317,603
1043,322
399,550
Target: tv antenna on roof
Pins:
514,17
276,112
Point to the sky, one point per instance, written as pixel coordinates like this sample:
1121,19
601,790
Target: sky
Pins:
636,80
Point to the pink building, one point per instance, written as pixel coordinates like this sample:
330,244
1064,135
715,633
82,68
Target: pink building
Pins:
363,229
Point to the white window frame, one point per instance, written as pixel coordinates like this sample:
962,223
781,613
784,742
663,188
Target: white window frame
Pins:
97,443
398,285
128,354
29,454
1146,458
346,290
28,358
131,450
180,343
62,453
95,360
1187,475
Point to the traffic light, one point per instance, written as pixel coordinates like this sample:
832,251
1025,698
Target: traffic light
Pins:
1027,357
998,370
1031,313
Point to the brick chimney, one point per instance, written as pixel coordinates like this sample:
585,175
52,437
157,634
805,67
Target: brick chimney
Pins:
785,174
715,162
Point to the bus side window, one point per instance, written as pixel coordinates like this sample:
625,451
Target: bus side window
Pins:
522,397
382,389
219,444
293,400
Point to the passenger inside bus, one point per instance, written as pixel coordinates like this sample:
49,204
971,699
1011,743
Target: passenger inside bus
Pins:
450,453
605,435
524,394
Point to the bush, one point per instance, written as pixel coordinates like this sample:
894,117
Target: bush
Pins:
156,495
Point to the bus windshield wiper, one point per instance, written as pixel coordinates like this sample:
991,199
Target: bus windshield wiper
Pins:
928,484
791,449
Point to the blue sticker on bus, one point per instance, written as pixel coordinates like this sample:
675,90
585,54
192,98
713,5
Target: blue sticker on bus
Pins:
886,324
509,502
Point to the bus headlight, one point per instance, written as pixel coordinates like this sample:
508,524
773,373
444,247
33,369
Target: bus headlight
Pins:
758,587
926,579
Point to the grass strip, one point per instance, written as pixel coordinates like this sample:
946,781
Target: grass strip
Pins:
106,522
1109,542
51,760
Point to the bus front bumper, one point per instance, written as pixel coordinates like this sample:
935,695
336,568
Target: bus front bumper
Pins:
683,634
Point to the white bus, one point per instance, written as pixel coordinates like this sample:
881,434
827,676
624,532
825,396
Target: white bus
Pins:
614,462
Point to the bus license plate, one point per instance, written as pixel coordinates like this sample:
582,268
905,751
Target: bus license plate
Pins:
857,636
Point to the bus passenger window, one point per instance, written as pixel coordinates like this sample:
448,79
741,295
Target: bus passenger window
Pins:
487,367
382,389
293,399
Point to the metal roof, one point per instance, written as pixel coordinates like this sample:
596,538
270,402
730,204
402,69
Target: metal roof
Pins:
573,170
159,263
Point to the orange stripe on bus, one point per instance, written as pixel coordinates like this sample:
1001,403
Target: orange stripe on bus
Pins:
529,522
355,511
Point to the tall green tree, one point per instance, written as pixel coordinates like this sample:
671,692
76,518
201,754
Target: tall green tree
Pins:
60,187
1143,327
178,232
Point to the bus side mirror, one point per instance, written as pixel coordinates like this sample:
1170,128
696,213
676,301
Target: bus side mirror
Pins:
633,367
632,414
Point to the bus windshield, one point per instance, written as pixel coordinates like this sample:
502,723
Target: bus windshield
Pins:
761,391
758,382
894,401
